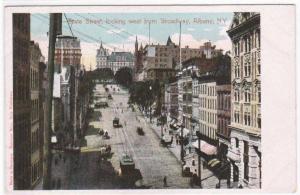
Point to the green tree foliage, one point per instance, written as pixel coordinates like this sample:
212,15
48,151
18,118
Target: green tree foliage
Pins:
86,84
102,74
144,93
124,76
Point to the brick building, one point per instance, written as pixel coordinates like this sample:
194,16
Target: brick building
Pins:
21,101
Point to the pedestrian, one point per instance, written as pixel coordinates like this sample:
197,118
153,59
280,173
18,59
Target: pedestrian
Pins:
165,181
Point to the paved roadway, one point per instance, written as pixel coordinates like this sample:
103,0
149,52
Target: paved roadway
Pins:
152,160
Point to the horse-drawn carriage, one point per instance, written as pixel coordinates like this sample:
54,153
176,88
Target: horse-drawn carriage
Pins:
105,151
140,131
166,141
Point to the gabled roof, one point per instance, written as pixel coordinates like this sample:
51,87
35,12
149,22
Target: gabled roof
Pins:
128,56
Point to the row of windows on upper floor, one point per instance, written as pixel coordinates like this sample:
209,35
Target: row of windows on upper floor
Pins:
246,43
247,97
34,79
247,119
252,65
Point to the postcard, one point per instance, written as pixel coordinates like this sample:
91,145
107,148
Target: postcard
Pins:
152,97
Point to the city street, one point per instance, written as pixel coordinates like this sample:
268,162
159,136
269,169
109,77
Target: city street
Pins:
152,160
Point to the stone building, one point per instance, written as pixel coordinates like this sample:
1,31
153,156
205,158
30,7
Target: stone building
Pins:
36,161
44,123
119,60
102,57
160,61
171,100
21,102
208,102
67,52
68,62
138,61
245,137
223,89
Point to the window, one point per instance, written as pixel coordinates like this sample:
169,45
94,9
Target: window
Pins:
236,117
257,62
247,69
246,161
237,71
247,118
236,49
236,142
259,95
259,122
236,96
247,96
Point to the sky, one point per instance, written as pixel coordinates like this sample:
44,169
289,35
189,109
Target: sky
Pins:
118,31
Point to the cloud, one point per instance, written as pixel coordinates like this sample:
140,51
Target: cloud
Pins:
190,29
223,29
192,42
43,42
115,31
224,44
188,40
142,39
88,51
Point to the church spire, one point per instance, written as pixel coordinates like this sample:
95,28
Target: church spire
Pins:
136,45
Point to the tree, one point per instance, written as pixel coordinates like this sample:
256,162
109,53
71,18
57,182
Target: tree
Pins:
124,76
103,74
141,94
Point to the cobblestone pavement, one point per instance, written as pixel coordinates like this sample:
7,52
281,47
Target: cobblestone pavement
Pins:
152,161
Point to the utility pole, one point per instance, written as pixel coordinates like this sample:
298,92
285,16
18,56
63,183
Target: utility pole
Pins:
149,33
54,29
181,143
180,46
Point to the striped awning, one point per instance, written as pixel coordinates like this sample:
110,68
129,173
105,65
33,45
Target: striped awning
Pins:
206,147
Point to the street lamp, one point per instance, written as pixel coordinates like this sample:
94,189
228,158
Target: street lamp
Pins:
181,143
199,157
150,88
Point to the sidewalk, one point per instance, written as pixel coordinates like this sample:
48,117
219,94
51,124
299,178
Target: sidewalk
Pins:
175,149
60,170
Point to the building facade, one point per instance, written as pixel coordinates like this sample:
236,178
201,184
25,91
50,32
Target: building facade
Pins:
67,66
171,100
21,101
245,138
160,61
223,89
138,60
67,52
102,57
119,60
36,115
44,123
208,109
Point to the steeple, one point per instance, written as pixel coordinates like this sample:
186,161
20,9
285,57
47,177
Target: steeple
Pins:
136,45
169,41
101,46
141,46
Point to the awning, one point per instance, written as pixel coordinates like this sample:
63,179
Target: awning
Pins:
185,132
173,122
213,162
53,139
179,124
206,148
